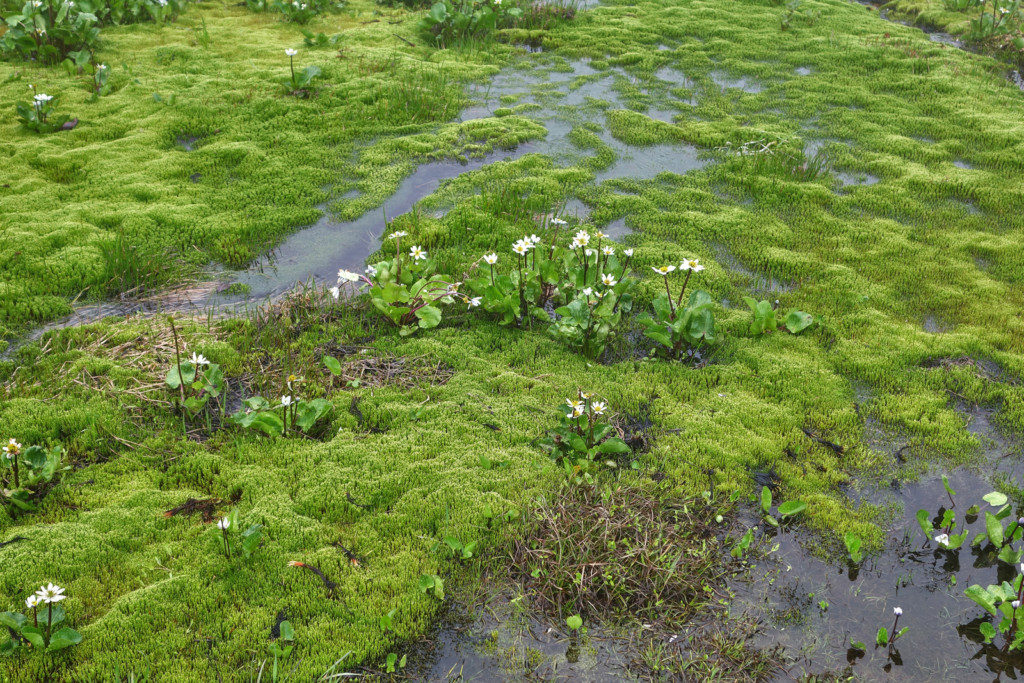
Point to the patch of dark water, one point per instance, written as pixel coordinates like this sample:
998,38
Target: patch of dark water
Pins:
933,325
960,163
320,250
189,143
502,639
815,606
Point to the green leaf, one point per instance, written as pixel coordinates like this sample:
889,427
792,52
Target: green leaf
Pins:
66,637
882,637
798,321
333,365
287,632
994,528
187,375
982,597
269,423
792,507
13,620
35,636
945,484
613,445
988,631
924,521
766,499
995,499
429,316
575,622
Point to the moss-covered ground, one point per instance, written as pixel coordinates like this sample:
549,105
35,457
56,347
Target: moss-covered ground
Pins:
922,265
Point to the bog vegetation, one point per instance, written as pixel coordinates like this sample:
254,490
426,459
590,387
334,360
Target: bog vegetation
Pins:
698,255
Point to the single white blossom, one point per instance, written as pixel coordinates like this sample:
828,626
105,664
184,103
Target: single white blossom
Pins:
50,593
608,251
335,292
290,52
532,239
12,449
32,601
628,252
347,276
588,291
371,271
573,404
286,401
583,237
942,539
475,301
558,221
224,524
43,97
398,234
520,247
608,280
199,359
898,611
417,253
491,258
598,407
1015,604
663,270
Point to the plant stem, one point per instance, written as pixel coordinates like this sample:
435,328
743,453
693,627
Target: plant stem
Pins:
672,308
14,464
291,64
177,360
685,282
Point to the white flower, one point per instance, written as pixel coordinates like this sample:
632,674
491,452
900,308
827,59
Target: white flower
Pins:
498,2
942,539
586,395
558,221
347,276
290,52
1022,567
12,449
371,271
162,3
573,404
532,239
589,252
663,270
31,601
628,252
608,251
224,524
398,234
520,247
583,237
588,291
576,242
474,302
335,292
898,611
491,258
1015,604
50,593
608,280
578,411
286,401
691,264
600,235
43,97
101,67
417,253
598,407
199,359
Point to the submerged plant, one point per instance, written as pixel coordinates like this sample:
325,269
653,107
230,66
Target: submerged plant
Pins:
766,318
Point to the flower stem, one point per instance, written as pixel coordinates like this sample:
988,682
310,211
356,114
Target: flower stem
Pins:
672,307
685,282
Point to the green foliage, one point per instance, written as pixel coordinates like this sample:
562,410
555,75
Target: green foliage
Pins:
288,417
38,115
37,633
431,584
853,543
449,23
766,318
583,438
281,650
682,332
31,470
53,30
198,386
575,622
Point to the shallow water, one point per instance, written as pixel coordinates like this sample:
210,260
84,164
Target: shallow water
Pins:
566,99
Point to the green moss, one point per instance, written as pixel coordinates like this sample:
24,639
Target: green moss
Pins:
930,242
